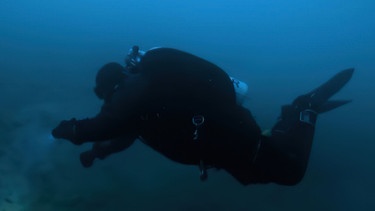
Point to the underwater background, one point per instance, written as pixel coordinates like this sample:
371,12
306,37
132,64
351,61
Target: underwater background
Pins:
50,52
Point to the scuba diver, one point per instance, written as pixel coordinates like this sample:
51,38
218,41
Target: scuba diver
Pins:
185,108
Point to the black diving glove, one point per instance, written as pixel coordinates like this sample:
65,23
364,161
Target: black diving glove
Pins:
66,130
87,158
99,150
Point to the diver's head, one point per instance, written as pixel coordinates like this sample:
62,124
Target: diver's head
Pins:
135,49
107,79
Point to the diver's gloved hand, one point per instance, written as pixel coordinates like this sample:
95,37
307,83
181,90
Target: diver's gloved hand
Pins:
66,130
87,158
98,151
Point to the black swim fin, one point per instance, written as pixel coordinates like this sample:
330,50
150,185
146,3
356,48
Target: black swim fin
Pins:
317,99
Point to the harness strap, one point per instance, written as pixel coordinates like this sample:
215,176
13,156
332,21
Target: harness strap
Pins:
198,121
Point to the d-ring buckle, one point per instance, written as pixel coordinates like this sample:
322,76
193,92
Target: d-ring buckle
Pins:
197,120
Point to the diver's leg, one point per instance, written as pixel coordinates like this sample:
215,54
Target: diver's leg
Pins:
283,157
102,150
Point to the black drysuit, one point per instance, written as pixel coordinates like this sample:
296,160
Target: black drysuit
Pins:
184,107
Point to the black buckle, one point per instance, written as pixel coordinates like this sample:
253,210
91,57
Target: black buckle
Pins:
197,120
203,171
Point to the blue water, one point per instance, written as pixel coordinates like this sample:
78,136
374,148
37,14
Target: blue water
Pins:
50,52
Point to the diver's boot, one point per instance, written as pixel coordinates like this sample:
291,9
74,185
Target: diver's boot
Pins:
306,108
318,99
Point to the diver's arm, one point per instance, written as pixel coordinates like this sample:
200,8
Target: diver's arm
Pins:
88,130
108,124
103,149
100,129
283,156
117,117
